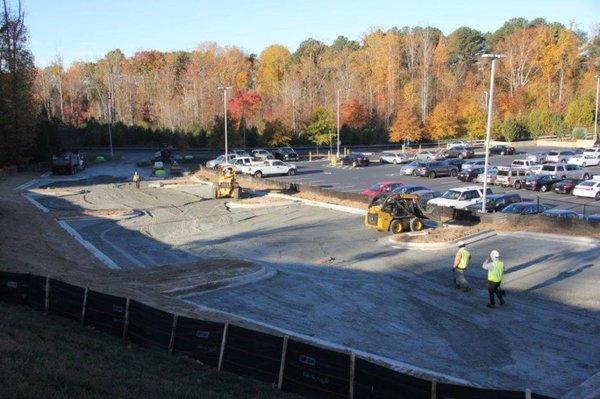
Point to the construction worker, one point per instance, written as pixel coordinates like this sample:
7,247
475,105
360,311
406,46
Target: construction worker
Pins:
136,179
461,262
495,268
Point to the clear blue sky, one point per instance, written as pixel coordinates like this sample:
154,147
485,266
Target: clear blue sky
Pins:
88,29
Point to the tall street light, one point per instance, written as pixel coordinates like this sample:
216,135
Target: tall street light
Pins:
597,139
338,124
488,130
112,155
225,88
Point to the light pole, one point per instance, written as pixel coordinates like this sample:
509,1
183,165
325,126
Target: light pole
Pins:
338,124
488,130
597,139
225,88
112,155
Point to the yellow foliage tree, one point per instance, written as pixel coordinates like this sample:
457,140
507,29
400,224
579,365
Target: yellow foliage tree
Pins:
271,68
473,120
442,122
406,126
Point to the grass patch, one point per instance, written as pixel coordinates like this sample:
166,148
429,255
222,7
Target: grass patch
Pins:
51,357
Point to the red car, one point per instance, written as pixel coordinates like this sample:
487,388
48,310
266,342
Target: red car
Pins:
381,188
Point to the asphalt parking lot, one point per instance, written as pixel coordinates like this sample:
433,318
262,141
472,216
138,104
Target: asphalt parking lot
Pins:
346,178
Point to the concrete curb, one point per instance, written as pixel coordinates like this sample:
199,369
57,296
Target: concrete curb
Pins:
553,237
341,208
264,273
237,205
470,239
88,245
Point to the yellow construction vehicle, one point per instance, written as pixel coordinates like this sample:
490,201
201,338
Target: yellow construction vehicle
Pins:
227,186
396,213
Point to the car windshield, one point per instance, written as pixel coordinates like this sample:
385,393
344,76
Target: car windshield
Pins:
286,150
451,195
375,187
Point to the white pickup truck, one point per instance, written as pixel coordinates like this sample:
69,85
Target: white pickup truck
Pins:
270,167
459,198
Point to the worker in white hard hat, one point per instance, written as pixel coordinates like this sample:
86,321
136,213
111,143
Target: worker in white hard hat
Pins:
495,268
461,262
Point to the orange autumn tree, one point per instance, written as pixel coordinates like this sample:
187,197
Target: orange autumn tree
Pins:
442,123
354,114
406,126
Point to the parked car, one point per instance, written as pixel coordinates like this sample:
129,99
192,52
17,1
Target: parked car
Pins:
393,157
411,168
355,159
437,169
425,156
559,156
527,208
286,154
459,151
381,188
239,152
472,163
495,202
592,151
241,163
523,164
469,175
455,162
566,186
271,167
588,188
593,218
459,198
562,214
457,143
425,196
490,177
409,189
260,155
562,171
584,160
541,183
507,176
502,149
537,157
221,160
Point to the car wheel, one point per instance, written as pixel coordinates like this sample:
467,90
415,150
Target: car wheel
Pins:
503,153
563,161
416,224
396,227
597,196
432,175
414,173
381,160
395,162
258,174
354,164
544,188
453,173
291,172
518,185
460,156
586,176
563,177
583,165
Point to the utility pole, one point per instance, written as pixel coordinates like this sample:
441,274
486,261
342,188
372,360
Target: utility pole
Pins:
488,132
225,88
597,139
338,124
112,155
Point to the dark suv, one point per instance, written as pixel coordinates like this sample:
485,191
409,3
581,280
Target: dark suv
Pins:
435,169
495,202
355,160
286,154
459,151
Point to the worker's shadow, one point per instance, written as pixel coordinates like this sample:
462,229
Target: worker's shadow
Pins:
531,262
561,276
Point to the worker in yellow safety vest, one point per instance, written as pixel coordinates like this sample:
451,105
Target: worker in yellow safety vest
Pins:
495,269
136,179
461,262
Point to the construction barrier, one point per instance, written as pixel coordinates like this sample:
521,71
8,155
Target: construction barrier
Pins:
291,365
252,354
66,299
200,340
149,327
316,372
105,312
376,381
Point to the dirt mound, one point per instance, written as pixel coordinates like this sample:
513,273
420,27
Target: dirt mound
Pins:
440,234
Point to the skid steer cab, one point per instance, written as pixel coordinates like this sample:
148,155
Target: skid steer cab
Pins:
227,186
396,213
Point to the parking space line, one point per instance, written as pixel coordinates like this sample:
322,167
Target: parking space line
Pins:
88,245
36,204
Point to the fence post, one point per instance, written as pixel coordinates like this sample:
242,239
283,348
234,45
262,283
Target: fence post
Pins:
47,296
223,342
528,393
84,305
172,340
309,156
282,365
126,325
538,203
433,389
583,209
352,368
419,147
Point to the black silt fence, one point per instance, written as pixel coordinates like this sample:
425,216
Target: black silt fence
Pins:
538,396
200,340
105,312
449,391
316,372
66,299
14,287
149,327
36,292
253,354
379,382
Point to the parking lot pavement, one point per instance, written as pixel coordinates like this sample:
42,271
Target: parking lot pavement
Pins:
321,174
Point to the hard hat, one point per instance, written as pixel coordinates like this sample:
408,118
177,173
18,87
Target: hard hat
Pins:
461,244
494,254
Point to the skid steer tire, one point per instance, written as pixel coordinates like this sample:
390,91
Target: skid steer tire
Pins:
396,227
416,224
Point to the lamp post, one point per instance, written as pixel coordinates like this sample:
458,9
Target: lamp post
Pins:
225,88
338,123
488,130
597,139
110,142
